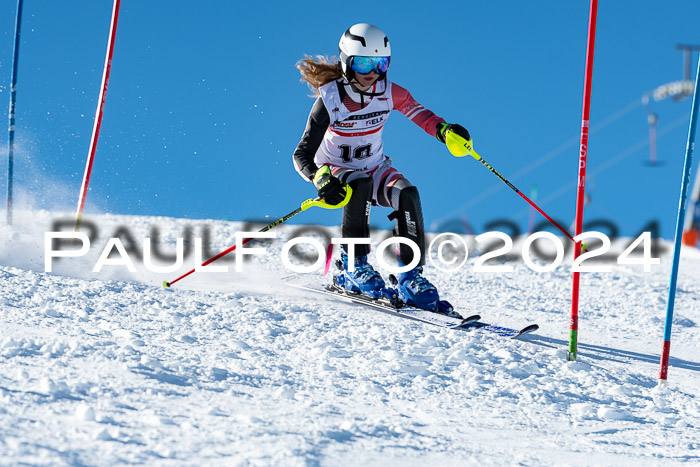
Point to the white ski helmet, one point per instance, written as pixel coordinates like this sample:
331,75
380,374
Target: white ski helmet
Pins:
363,40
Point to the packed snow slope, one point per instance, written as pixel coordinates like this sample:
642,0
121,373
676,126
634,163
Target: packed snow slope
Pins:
237,369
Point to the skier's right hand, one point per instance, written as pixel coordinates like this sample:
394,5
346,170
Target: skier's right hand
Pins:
329,187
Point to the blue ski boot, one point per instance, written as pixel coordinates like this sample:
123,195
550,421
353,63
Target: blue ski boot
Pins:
416,290
363,279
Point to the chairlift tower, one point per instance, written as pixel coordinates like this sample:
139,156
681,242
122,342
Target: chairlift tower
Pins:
676,90
687,56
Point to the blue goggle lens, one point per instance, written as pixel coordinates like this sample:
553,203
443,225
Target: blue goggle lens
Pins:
365,65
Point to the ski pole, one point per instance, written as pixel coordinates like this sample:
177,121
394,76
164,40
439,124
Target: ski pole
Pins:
459,148
304,206
476,156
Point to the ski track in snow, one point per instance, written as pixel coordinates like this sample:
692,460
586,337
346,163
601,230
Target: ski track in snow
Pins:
234,368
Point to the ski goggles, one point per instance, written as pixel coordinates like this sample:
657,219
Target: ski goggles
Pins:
364,65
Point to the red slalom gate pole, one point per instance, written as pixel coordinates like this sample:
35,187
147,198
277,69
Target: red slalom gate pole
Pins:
583,155
98,115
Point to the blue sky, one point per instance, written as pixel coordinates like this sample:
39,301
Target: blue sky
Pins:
205,106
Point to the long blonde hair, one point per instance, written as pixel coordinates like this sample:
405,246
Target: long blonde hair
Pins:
318,71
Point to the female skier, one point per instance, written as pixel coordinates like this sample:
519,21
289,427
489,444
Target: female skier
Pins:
342,144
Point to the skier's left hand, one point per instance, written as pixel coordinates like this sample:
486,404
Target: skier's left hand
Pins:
456,128
456,137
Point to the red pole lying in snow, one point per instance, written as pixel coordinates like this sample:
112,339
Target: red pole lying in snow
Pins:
98,115
583,155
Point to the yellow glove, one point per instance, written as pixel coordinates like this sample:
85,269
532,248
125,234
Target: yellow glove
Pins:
456,137
329,188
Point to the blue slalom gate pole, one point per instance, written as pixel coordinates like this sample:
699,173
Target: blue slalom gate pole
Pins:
11,113
663,373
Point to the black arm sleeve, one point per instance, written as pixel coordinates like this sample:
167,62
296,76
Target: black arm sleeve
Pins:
316,127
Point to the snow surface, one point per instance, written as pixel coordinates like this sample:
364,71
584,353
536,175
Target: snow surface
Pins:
234,368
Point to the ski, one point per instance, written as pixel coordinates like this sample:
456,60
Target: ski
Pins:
472,322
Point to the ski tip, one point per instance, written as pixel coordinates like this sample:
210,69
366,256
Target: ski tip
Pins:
527,330
470,319
166,284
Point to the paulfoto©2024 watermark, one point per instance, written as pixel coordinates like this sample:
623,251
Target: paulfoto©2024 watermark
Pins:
447,252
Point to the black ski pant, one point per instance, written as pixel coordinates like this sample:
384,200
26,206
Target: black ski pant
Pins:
408,214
